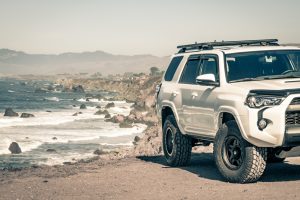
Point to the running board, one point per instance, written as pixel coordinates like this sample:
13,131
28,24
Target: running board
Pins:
294,152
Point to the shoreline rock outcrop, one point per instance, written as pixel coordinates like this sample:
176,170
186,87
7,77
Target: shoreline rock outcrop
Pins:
83,106
10,113
78,89
110,105
101,112
27,115
14,148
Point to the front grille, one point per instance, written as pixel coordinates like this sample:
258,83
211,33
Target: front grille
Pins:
296,101
292,118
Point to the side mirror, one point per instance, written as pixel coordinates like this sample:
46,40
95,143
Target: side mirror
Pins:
206,79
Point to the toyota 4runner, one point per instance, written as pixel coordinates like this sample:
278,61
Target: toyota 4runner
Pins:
243,96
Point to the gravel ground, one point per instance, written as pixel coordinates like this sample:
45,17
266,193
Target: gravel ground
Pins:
148,178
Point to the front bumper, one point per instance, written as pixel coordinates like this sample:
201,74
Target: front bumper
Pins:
277,133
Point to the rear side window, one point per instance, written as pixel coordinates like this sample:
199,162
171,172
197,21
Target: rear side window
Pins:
172,68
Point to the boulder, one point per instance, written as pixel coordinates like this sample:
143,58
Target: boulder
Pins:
49,111
107,116
98,107
125,125
82,106
110,105
102,112
10,113
116,119
40,90
99,152
136,140
78,88
50,88
139,105
51,150
54,138
26,115
14,148
75,114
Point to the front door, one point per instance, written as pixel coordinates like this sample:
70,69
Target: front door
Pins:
198,101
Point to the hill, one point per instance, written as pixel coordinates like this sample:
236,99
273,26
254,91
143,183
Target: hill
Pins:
18,62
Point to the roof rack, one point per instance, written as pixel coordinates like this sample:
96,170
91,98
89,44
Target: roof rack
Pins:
210,45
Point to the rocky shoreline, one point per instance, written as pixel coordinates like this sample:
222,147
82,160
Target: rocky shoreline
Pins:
140,92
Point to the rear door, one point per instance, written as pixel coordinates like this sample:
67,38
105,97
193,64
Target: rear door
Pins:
186,81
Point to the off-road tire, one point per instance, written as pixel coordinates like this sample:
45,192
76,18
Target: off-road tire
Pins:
252,163
272,158
180,154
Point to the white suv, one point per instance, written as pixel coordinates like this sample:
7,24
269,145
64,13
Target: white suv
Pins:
243,96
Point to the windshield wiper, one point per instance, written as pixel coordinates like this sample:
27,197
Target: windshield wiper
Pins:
246,79
279,76
270,77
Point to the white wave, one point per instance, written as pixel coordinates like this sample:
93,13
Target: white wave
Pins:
10,91
51,98
25,144
117,144
81,100
48,118
94,100
57,159
30,133
57,91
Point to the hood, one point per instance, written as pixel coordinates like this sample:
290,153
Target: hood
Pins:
275,86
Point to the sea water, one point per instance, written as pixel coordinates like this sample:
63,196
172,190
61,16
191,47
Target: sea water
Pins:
54,126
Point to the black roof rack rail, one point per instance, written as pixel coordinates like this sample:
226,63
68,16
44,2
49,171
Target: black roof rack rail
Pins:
210,45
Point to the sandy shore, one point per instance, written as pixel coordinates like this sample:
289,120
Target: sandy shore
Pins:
147,178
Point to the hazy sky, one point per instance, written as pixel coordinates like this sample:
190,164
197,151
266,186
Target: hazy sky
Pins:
141,26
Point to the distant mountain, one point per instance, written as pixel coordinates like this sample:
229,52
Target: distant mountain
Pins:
18,62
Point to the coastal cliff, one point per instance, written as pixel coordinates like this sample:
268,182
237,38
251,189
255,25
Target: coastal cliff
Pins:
139,90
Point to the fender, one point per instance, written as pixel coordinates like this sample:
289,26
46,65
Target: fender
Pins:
171,105
234,113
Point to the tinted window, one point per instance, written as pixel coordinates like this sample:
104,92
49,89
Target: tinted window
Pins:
209,65
257,65
172,68
190,71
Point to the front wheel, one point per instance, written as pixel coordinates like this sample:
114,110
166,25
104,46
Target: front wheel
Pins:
177,147
237,160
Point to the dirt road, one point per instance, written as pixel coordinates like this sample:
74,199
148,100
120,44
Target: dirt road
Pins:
150,178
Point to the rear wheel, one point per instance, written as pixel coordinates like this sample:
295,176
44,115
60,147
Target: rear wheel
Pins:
177,147
237,160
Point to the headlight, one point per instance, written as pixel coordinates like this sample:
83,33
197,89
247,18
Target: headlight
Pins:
257,101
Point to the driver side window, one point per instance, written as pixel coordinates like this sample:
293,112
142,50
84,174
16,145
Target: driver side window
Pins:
209,65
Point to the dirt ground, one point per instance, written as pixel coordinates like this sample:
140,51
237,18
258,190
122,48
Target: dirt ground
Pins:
150,178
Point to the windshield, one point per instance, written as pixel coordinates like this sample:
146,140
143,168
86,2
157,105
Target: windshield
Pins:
262,65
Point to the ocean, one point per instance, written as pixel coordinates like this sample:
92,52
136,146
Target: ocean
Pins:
55,128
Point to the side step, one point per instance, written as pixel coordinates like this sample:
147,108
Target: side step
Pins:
294,152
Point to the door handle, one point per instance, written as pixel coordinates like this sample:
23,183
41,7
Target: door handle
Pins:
194,95
175,93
